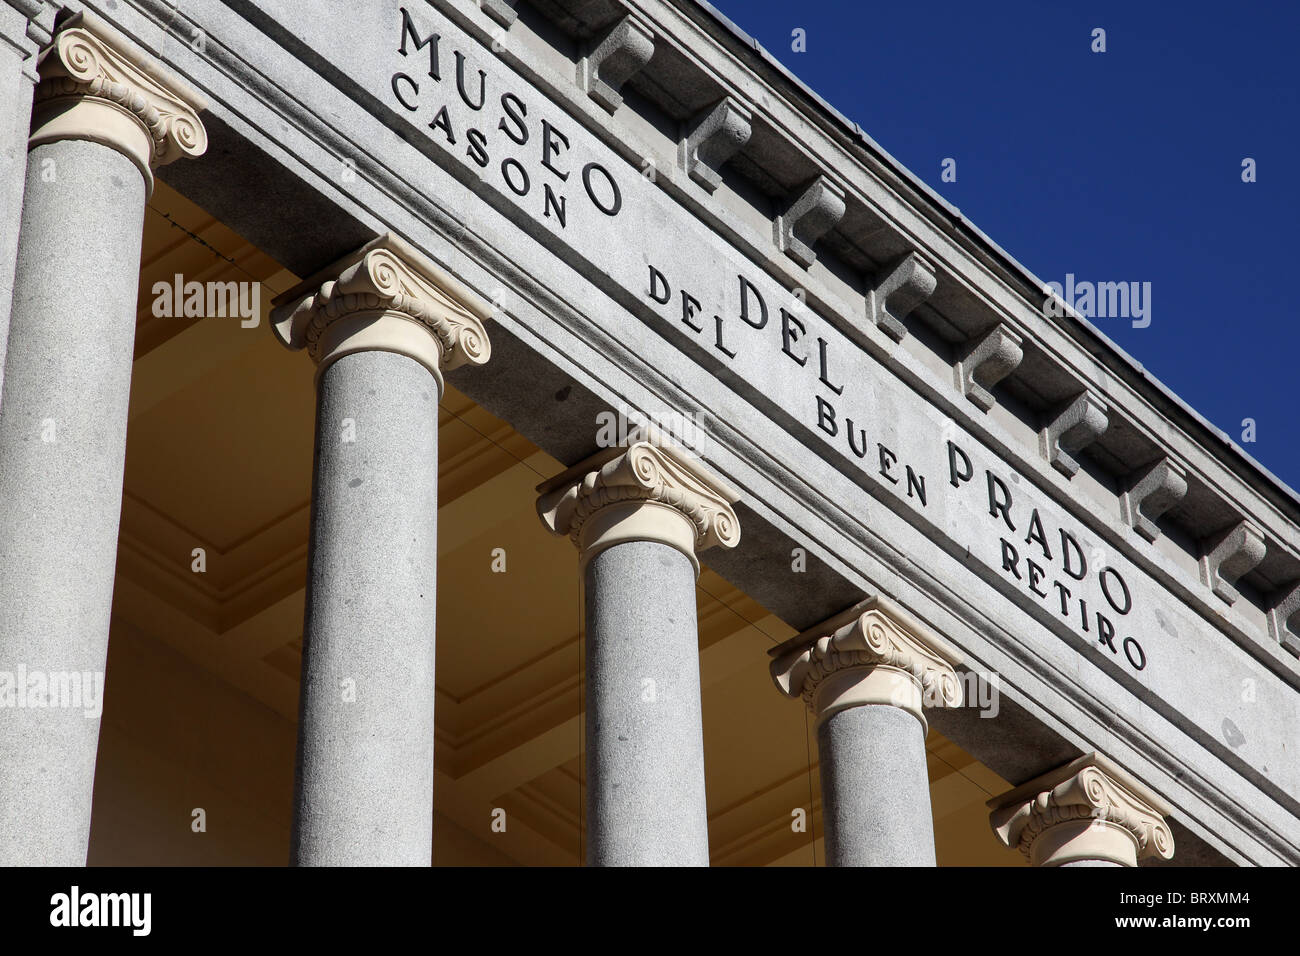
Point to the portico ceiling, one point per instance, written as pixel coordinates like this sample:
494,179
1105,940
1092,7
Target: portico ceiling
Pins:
202,695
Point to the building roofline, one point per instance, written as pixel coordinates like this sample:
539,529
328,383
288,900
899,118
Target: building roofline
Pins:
1127,363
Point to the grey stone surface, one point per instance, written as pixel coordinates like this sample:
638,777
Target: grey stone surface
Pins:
62,447
364,781
989,361
645,747
502,11
713,139
1152,494
875,788
1072,428
1286,604
17,78
1189,850
810,215
1092,863
258,194
900,290
577,315
624,50
1228,556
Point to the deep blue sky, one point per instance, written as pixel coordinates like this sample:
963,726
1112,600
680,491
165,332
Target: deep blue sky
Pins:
1115,166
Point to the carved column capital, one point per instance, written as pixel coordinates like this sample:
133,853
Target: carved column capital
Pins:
96,85
873,653
646,491
1090,809
387,297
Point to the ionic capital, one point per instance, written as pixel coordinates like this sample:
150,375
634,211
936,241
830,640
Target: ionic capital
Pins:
873,653
96,85
385,297
1090,809
648,490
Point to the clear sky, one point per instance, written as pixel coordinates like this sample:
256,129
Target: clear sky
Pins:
1123,165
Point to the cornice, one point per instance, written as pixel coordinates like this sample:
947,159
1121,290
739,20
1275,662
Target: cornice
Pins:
1010,297
854,551
858,148
1255,639
385,296
35,17
875,184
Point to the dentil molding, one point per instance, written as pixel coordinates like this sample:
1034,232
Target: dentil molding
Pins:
1090,809
873,653
387,297
96,85
647,490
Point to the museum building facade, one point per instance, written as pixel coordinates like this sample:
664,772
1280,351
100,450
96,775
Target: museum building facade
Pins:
324,328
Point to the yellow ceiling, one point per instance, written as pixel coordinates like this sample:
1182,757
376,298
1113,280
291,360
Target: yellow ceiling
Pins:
203,668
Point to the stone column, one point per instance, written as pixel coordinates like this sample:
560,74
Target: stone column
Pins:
381,325
23,31
639,514
105,115
866,675
1090,812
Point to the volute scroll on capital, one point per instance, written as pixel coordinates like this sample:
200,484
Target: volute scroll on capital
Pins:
386,297
96,85
873,653
646,490
1091,809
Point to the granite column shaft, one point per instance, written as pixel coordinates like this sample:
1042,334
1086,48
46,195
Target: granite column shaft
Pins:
867,674
875,788
645,737
364,793
63,418
381,325
639,514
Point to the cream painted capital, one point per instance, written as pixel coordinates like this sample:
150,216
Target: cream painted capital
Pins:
385,297
646,491
873,653
96,85
1090,809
